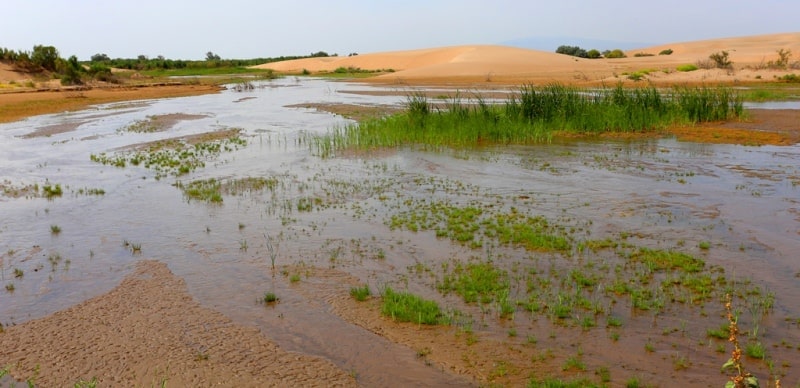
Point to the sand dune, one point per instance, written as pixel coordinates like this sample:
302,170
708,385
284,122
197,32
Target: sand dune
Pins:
486,63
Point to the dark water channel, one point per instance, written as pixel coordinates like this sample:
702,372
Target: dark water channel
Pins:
745,201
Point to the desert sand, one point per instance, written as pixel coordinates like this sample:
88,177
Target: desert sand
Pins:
509,65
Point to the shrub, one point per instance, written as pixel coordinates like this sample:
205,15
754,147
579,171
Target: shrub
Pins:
705,64
665,52
616,53
643,55
783,59
686,68
593,54
574,51
721,60
791,78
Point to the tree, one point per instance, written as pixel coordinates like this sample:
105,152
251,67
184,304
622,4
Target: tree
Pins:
616,53
142,58
100,58
45,56
575,51
210,56
593,54
70,71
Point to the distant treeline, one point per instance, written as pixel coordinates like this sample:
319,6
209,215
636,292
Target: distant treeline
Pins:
577,51
142,62
73,72
45,58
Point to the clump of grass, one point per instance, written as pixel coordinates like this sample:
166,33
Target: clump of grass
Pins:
270,297
755,350
406,307
476,282
687,68
360,293
207,190
573,363
55,229
52,191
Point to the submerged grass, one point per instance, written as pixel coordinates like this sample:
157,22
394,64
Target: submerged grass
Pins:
533,115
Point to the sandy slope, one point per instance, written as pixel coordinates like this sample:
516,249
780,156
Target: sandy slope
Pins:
485,63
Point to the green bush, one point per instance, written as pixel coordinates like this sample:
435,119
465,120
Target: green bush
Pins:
643,55
574,51
616,53
665,52
686,68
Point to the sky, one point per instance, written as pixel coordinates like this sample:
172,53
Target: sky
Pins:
188,29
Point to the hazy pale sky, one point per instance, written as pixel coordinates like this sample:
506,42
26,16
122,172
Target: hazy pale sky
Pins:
187,29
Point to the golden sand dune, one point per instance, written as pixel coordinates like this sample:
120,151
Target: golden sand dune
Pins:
487,63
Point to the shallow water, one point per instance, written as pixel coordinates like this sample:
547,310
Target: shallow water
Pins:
744,200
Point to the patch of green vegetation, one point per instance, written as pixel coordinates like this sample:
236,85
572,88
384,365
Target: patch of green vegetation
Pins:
51,191
658,259
360,293
790,78
755,349
558,383
406,307
463,225
533,115
270,297
171,157
686,68
476,282
207,190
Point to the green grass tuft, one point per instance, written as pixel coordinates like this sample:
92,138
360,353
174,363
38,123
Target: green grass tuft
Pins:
406,307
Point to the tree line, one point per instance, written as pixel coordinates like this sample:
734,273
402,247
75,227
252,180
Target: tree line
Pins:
577,51
71,71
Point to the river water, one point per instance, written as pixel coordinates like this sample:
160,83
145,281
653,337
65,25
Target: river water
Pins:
745,201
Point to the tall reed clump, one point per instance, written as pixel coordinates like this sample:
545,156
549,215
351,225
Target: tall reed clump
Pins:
532,115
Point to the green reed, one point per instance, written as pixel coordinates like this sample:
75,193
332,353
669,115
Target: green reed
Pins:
533,115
